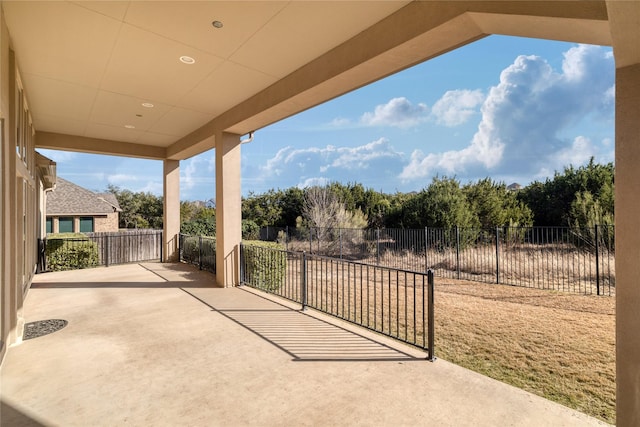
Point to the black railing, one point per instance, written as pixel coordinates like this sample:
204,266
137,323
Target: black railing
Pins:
99,249
390,301
198,250
559,258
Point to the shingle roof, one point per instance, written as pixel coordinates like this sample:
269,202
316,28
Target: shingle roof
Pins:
514,186
111,199
71,199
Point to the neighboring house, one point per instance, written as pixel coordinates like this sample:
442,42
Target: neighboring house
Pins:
514,187
73,209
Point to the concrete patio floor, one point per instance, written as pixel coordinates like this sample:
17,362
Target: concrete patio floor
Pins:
155,344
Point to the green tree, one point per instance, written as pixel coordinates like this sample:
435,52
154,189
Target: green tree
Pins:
374,205
587,212
197,219
139,210
264,209
550,201
187,211
151,209
442,204
291,204
250,230
282,208
494,205
199,227
398,202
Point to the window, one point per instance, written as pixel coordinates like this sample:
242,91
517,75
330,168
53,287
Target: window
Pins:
86,224
49,225
65,225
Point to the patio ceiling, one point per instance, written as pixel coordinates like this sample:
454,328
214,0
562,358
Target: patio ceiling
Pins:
88,68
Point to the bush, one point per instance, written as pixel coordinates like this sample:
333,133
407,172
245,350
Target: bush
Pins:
264,265
208,254
250,230
199,227
191,251
70,251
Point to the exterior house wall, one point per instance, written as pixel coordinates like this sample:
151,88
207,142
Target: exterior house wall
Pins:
101,223
110,222
18,196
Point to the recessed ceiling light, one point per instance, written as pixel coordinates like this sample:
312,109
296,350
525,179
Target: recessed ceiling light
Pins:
130,126
187,60
217,24
147,105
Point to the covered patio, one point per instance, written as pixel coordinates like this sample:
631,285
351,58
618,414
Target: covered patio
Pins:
155,344
162,81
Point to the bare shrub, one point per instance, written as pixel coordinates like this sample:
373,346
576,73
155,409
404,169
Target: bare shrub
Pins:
333,228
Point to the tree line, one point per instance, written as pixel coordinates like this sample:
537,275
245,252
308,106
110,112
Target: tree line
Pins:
577,197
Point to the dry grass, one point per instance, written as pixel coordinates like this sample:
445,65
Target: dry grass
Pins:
556,266
556,345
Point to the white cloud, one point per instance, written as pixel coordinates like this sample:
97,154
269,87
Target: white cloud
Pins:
120,178
523,118
188,177
578,153
198,170
457,106
369,163
398,112
481,153
313,182
360,157
275,164
153,187
363,156
339,122
606,152
92,176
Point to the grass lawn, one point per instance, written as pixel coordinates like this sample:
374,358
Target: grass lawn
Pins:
560,346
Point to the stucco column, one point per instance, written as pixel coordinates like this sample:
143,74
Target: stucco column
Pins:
228,209
627,210
10,182
171,215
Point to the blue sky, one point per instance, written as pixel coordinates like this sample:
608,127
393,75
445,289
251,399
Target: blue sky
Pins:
512,109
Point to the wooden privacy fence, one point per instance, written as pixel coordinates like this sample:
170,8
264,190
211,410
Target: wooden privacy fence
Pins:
93,249
123,247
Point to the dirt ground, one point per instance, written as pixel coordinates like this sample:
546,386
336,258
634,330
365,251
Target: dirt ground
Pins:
557,345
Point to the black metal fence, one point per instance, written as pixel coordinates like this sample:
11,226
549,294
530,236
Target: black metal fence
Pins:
198,250
559,258
394,302
99,249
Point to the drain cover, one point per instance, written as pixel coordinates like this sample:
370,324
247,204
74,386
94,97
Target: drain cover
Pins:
42,327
